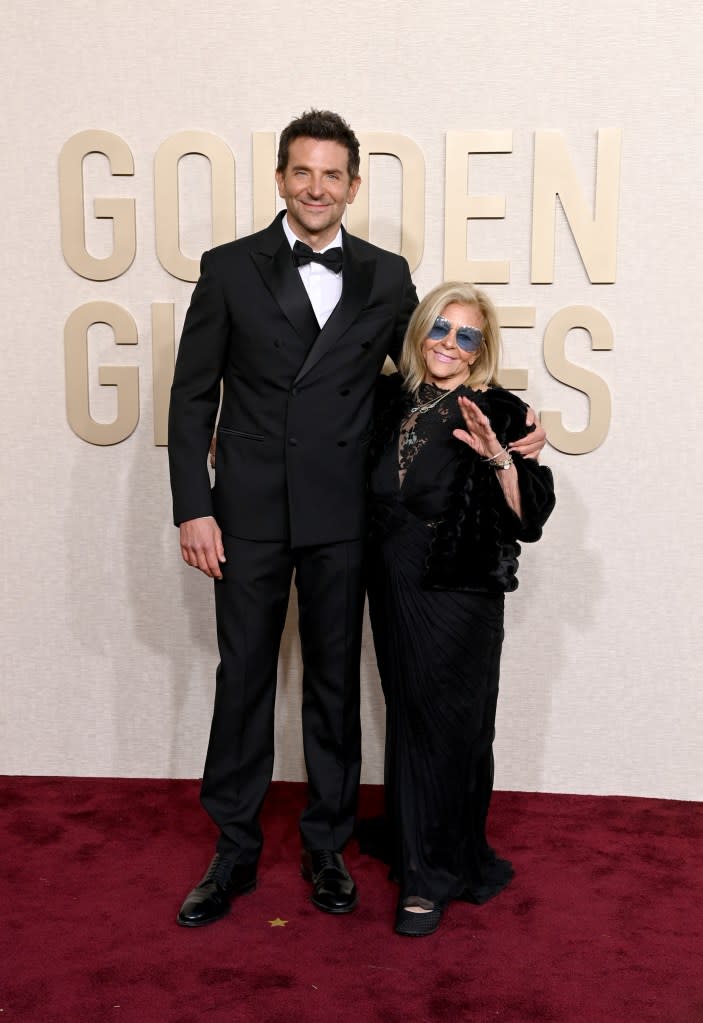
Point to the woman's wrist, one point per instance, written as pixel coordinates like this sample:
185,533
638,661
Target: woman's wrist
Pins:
500,460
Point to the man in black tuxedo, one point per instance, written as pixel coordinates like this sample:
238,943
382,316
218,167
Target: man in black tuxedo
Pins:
291,326
297,346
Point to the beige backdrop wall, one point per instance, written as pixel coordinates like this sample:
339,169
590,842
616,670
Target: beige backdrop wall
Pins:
108,643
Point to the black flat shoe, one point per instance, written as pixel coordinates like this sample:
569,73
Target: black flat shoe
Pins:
333,889
210,899
417,925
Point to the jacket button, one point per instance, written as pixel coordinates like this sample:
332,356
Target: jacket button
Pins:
341,443
345,392
292,441
294,391
366,344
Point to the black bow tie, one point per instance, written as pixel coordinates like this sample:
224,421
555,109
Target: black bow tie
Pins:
332,259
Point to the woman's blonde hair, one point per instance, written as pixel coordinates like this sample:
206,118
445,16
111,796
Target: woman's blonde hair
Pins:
484,370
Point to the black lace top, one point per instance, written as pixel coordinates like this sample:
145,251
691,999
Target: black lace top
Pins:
427,417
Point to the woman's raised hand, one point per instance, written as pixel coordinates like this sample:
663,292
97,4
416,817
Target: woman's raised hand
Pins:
479,433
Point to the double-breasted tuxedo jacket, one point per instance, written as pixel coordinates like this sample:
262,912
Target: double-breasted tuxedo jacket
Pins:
296,400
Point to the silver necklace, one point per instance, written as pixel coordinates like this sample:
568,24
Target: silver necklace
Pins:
411,436
429,404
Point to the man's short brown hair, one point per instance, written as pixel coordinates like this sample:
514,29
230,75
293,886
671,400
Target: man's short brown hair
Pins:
325,126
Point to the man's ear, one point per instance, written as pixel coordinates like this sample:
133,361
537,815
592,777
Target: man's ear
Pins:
354,186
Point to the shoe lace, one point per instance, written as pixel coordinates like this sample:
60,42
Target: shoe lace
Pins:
325,859
219,870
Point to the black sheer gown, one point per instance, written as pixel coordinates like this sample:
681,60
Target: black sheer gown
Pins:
438,649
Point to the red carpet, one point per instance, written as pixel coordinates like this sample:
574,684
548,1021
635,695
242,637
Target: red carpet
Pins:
603,921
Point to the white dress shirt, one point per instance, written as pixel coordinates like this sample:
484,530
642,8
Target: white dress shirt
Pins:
324,287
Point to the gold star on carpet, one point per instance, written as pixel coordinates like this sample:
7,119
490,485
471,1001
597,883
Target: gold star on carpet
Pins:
278,922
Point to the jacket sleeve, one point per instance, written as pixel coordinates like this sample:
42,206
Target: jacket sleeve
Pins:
406,307
508,417
195,395
536,499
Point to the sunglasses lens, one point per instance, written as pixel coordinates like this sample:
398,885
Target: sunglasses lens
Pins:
439,329
469,339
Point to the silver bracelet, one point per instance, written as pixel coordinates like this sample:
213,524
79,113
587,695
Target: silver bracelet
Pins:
501,460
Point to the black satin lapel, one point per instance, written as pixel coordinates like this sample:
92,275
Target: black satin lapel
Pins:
283,281
356,287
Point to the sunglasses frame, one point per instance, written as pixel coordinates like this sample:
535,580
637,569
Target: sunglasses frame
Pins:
465,335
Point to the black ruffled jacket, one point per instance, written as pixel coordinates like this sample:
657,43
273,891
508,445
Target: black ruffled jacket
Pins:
474,543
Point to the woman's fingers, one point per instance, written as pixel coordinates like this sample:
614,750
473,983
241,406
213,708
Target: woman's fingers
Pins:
476,422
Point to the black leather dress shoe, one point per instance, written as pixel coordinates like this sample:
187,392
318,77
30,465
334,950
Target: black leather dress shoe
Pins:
333,890
210,899
417,925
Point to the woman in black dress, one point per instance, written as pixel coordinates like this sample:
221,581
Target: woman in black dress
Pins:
450,500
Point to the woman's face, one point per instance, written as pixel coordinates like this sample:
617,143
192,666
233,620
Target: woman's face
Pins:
448,363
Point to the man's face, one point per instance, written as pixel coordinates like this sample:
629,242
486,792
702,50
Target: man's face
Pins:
316,187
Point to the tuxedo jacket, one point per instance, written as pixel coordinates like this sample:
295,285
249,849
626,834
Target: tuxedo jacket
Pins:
296,400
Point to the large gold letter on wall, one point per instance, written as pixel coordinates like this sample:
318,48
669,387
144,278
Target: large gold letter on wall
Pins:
124,378
120,211
163,360
460,207
593,386
595,234
166,212
263,181
412,227
515,316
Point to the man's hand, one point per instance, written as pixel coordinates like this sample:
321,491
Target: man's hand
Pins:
201,545
531,445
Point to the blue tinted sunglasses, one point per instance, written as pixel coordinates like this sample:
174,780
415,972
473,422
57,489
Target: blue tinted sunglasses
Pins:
467,338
